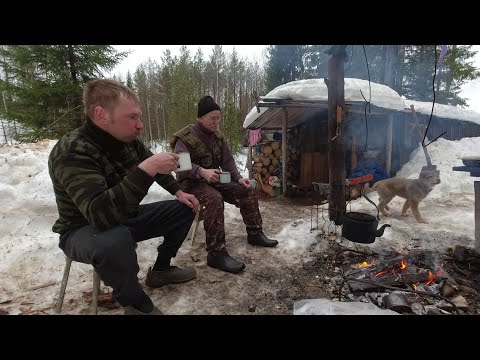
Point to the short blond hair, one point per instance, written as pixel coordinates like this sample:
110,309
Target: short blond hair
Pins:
104,93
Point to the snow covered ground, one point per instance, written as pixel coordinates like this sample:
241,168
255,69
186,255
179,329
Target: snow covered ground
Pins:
31,264
29,252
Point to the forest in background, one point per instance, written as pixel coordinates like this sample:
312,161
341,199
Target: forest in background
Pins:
41,85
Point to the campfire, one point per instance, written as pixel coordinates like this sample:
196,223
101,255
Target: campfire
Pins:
393,272
420,282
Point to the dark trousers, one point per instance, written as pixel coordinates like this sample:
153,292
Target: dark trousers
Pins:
212,196
112,252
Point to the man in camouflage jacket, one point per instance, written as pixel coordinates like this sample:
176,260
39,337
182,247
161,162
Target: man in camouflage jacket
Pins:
209,152
100,173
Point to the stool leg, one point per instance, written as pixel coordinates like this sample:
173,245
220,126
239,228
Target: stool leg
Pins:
194,231
63,287
197,219
96,288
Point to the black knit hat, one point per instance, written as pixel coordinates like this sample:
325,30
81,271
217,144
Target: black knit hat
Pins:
205,105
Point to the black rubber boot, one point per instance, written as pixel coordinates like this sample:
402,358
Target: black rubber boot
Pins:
223,261
261,240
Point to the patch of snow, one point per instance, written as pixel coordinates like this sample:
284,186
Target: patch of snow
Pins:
444,111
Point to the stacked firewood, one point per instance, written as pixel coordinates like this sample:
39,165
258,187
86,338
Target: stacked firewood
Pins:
293,155
266,163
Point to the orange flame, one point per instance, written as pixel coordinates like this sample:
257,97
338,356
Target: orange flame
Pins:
414,286
365,264
381,273
403,264
431,278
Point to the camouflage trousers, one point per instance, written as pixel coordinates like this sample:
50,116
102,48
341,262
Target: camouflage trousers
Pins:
212,196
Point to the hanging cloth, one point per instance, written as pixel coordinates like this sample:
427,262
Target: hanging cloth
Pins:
254,136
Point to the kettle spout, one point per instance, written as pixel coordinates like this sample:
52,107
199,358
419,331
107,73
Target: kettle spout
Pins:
380,231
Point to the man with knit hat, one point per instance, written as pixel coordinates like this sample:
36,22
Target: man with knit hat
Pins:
210,152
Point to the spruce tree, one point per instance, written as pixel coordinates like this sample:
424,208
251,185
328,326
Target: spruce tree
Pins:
44,85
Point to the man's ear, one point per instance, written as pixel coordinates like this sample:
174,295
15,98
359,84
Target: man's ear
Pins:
101,115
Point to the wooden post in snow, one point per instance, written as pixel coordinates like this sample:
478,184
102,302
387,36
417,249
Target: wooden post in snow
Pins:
476,186
391,55
284,151
420,136
249,161
336,153
388,158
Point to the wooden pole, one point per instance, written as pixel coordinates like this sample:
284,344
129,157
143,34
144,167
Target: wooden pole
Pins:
284,151
476,186
249,161
420,136
388,158
336,153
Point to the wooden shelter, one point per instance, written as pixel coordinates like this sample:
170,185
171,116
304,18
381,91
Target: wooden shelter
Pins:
392,133
299,110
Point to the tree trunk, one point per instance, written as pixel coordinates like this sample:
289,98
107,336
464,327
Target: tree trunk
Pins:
400,69
157,117
149,123
4,131
165,136
336,158
72,61
3,125
390,65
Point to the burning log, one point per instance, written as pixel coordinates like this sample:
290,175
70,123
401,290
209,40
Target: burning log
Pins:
378,266
398,280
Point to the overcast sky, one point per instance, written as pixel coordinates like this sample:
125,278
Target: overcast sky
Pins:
141,53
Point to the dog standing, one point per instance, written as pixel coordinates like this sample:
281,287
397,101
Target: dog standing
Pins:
413,190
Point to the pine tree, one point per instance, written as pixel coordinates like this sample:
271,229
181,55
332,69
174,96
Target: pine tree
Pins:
285,63
129,81
45,83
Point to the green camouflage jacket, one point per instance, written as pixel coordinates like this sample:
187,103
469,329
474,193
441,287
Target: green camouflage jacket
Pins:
96,179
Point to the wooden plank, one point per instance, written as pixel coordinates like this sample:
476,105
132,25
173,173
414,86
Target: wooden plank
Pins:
313,168
284,151
471,130
388,159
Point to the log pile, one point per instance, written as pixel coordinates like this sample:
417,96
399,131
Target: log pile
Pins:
266,163
293,155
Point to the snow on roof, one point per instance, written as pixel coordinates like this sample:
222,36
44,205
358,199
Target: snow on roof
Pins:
316,90
444,111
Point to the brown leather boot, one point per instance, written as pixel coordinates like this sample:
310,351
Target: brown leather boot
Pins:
174,275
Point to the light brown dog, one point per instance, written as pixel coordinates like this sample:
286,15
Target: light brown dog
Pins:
414,190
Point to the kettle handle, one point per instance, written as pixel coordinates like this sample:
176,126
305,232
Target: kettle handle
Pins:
364,194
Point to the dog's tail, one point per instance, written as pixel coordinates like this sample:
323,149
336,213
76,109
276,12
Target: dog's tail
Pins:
369,189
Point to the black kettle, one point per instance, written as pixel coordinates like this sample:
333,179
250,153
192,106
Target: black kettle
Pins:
361,228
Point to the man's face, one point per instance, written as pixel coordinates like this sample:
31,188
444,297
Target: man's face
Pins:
122,121
211,120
